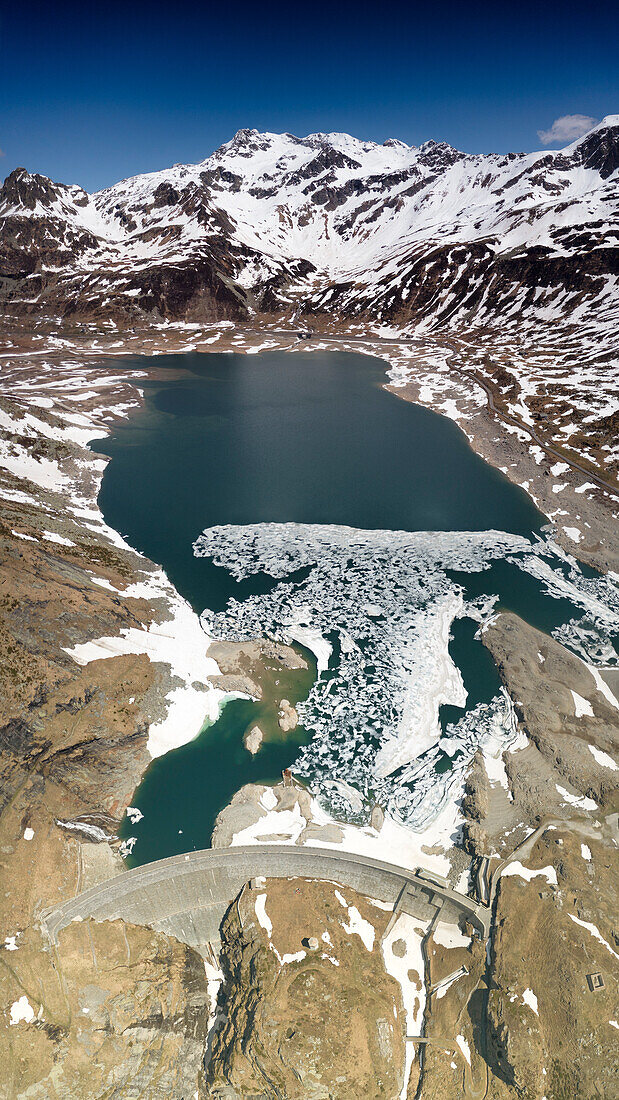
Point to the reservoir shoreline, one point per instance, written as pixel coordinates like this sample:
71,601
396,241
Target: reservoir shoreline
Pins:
223,339
182,400
424,377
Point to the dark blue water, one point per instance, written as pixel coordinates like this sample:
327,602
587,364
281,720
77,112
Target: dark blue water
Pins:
311,438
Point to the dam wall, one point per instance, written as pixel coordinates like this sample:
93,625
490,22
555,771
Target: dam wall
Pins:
188,895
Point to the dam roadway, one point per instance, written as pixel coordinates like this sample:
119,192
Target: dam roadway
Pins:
187,896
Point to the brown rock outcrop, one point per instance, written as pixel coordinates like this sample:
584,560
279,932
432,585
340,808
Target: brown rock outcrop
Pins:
301,1024
122,1011
536,671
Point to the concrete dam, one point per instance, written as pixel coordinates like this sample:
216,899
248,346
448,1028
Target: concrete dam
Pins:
188,895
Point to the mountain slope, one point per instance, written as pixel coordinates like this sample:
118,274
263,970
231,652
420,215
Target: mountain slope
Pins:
409,234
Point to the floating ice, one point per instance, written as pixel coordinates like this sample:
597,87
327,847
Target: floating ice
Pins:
598,597
384,605
378,607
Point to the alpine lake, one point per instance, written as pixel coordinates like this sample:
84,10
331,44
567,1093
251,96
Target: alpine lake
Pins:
312,438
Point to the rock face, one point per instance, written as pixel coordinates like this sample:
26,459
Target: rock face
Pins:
242,664
253,739
302,1024
475,801
124,1011
540,949
534,1022
254,804
113,1007
562,722
72,745
288,718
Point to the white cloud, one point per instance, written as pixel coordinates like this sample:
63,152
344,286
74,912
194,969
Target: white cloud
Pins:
567,128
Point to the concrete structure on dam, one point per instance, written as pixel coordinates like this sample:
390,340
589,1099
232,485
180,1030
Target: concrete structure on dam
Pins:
187,895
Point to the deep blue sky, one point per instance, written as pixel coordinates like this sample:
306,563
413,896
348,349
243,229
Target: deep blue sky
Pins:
92,93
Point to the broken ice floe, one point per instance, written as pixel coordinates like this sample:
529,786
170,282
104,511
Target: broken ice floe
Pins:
384,603
591,634
378,607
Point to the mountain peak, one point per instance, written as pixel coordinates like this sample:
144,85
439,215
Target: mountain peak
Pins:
22,188
245,136
599,148
337,140
243,143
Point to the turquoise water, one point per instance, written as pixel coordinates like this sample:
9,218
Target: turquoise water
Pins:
310,438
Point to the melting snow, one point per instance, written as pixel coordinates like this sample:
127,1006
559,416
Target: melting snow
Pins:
449,935
464,1047
517,868
408,970
595,932
180,643
263,919
581,801
603,759
358,926
22,1011
582,706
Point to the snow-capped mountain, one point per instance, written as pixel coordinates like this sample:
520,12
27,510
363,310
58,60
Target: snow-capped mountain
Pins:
422,235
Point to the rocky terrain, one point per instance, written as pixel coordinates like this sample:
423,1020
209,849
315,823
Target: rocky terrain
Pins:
488,284
75,738
118,1010
292,965
571,729
530,1021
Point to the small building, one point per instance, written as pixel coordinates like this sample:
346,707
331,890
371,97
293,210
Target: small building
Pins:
596,982
433,879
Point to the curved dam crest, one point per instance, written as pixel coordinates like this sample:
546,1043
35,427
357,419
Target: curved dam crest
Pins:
188,895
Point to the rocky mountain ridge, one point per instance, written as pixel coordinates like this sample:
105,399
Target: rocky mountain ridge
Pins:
420,236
